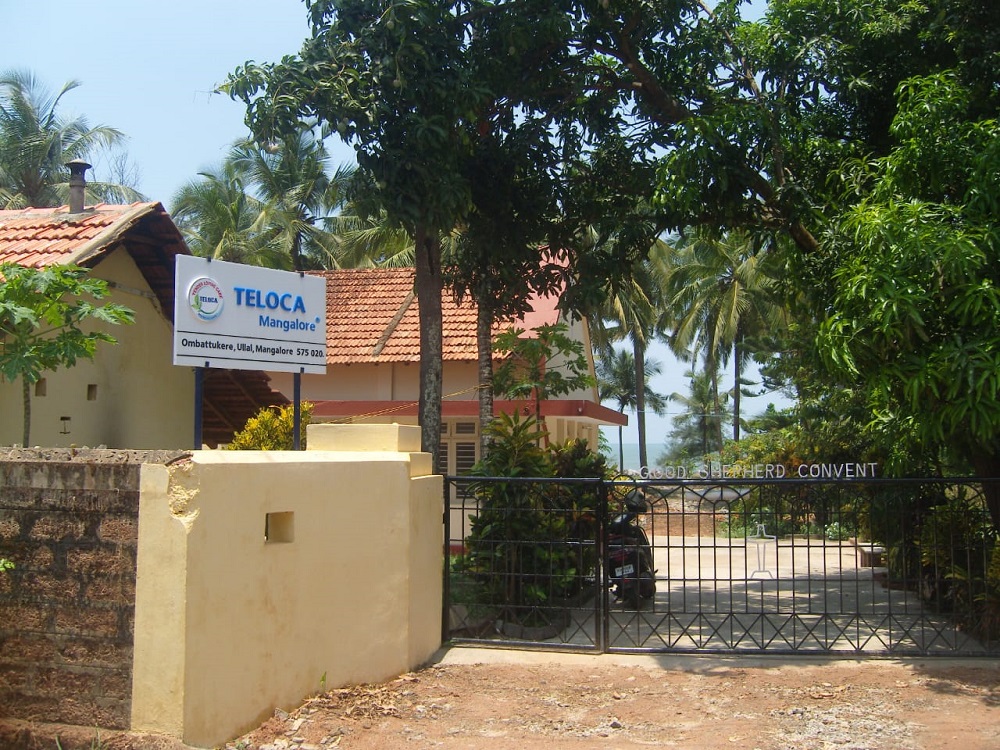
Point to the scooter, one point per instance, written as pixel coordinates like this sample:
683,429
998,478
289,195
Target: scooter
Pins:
630,556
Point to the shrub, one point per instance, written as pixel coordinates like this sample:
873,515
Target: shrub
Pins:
521,545
271,429
955,545
838,531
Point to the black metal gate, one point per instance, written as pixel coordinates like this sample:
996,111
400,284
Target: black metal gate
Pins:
873,566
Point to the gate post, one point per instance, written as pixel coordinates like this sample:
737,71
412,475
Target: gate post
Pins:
601,603
446,584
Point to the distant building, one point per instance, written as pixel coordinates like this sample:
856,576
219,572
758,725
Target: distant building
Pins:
373,365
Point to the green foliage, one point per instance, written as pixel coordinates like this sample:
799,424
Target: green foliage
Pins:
272,429
697,430
265,205
520,544
514,449
787,126
833,512
575,459
43,314
915,307
217,216
398,83
618,381
838,532
954,535
540,366
752,518
400,96
5,565
814,511
722,292
773,447
955,560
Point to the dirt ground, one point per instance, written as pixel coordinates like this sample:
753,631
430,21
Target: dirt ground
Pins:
476,699
532,700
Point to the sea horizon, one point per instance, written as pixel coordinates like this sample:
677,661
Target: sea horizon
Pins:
630,452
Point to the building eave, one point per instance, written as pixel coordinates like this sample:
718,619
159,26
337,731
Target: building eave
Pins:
576,409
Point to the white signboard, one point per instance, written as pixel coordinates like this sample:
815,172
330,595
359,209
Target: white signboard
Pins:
239,317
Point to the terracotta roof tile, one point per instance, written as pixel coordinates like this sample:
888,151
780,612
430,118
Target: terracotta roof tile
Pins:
40,237
372,316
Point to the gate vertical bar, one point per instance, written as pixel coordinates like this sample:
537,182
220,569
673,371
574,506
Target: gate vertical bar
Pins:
601,602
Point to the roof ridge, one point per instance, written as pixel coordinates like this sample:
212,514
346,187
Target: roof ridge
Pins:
107,238
391,326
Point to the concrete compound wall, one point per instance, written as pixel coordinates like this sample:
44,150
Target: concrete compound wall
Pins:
261,577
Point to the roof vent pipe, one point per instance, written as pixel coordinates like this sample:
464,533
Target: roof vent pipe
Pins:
77,184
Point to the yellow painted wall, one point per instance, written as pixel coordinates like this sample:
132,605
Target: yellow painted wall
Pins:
142,399
229,626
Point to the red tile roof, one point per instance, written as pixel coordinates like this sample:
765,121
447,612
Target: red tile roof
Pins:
39,237
372,316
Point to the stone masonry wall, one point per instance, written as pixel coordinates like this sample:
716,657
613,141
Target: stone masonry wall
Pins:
69,523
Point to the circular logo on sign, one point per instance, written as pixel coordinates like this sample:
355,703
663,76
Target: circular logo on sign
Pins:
205,298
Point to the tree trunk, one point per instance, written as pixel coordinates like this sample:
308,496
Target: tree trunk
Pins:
713,364
737,355
484,344
429,285
621,451
987,466
639,353
296,253
26,394
543,442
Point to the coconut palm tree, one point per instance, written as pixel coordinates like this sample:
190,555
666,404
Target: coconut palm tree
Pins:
369,241
698,428
297,194
36,142
616,382
634,311
722,292
217,217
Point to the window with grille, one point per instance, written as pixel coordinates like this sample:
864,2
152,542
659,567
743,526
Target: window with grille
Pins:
459,447
465,457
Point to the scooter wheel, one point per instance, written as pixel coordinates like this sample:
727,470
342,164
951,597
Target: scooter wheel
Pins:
647,588
631,598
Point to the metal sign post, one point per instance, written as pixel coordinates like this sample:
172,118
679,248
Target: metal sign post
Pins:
297,411
199,393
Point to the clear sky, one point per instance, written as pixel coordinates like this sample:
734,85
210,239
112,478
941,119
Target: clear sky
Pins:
150,70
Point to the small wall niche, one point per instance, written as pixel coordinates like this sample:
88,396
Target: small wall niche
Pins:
41,387
279,527
92,392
